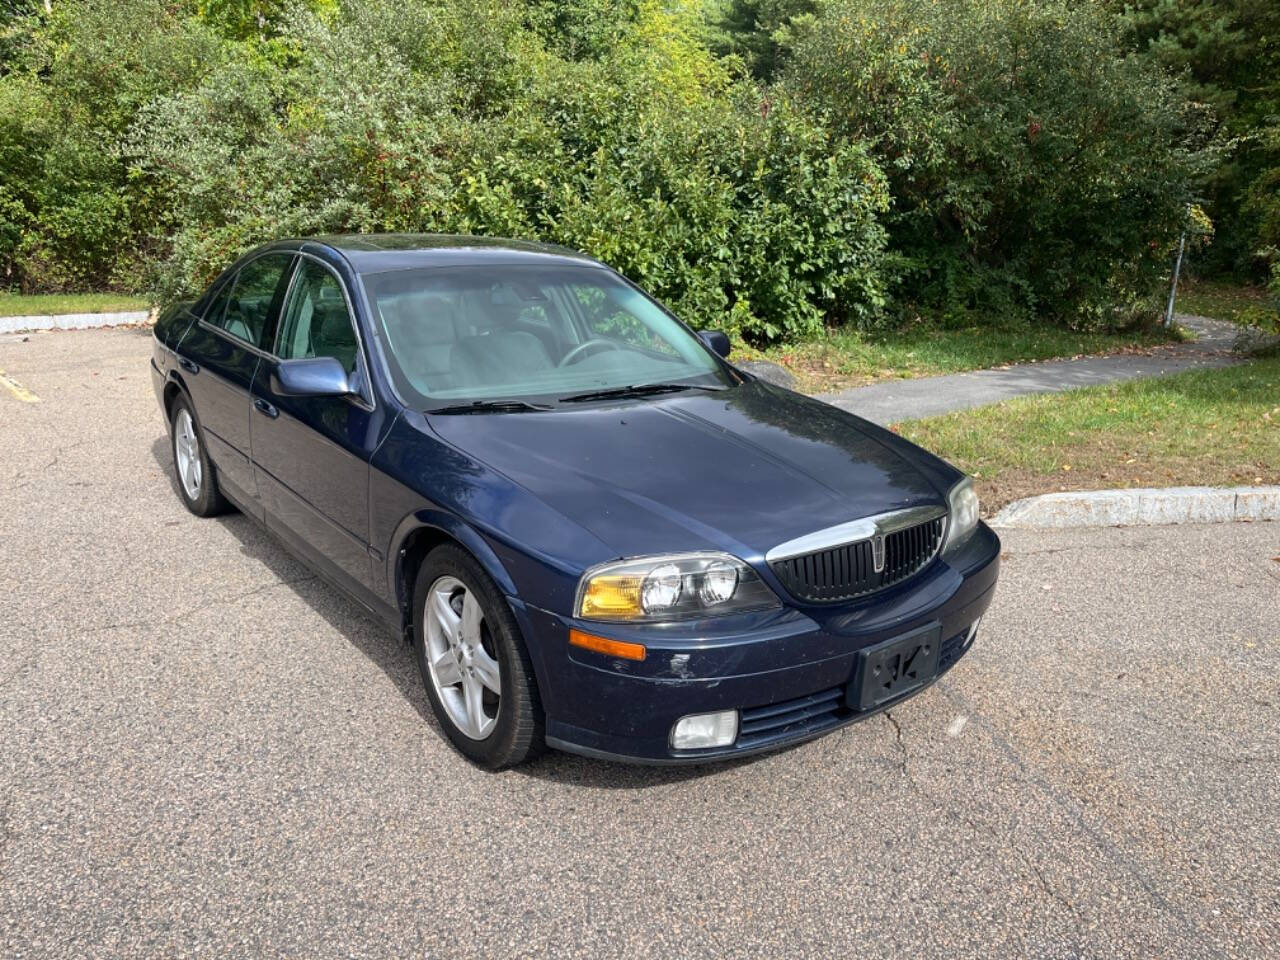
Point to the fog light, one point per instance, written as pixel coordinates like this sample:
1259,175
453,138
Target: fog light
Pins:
700,730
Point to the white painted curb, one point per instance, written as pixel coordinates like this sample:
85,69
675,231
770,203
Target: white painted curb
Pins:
71,321
1128,508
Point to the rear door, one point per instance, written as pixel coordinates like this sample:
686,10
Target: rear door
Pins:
311,454
218,357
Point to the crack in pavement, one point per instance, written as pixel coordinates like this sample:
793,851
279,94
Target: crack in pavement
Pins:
1032,867
1119,855
902,748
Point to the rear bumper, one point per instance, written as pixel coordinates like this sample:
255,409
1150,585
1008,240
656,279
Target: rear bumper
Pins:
787,672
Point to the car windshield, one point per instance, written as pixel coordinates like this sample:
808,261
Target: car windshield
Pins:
459,335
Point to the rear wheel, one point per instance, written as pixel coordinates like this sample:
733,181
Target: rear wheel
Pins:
197,481
474,664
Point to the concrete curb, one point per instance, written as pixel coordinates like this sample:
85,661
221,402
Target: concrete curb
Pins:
71,321
1128,508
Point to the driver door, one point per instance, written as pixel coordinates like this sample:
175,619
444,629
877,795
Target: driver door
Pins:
311,454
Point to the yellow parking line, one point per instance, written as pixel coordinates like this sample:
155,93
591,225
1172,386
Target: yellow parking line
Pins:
17,389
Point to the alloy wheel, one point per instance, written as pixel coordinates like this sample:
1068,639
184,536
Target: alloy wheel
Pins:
462,658
186,451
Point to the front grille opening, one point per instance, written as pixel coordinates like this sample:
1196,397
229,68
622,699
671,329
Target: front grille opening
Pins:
953,648
779,721
848,571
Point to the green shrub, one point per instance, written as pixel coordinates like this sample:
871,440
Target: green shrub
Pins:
644,154
71,214
963,158
1033,169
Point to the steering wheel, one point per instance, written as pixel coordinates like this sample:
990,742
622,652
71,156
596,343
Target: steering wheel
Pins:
587,346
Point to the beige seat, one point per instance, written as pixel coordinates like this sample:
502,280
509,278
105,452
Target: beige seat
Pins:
423,331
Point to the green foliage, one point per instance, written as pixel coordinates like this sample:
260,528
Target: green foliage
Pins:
1262,196
1033,169
1266,315
1226,56
582,30
973,160
756,31
640,153
71,212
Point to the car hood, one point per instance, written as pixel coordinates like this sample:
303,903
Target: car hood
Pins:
740,470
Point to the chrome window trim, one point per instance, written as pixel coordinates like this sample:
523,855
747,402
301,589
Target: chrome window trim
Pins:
855,531
367,403
236,341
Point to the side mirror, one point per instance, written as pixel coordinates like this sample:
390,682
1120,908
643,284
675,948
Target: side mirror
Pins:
716,340
310,377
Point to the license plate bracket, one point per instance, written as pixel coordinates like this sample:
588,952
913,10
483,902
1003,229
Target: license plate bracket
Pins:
895,667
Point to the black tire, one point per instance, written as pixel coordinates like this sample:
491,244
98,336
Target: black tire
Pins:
518,731
208,500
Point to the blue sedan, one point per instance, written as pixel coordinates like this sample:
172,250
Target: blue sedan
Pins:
597,533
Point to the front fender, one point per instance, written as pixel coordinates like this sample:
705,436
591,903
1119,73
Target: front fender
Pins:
452,527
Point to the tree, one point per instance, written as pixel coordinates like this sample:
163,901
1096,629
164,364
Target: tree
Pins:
1034,169
1226,54
757,31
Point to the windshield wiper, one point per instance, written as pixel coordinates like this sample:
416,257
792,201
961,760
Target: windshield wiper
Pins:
492,406
639,390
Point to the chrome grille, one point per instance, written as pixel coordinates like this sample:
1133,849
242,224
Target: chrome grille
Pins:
849,570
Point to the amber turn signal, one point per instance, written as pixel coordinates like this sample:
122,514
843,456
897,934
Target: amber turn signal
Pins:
610,648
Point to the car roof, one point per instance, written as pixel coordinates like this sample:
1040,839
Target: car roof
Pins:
377,252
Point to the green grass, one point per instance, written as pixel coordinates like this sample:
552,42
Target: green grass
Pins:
21,305
1213,427
1217,300
849,358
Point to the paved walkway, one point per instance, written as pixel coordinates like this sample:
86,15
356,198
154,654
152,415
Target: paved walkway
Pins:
895,400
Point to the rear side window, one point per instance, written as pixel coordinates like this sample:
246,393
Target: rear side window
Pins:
213,313
316,321
247,306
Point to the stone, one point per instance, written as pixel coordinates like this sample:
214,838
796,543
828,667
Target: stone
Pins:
769,372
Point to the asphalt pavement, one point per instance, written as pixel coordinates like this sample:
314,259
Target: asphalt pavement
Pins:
205,752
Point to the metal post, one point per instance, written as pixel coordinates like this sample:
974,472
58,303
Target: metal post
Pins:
1177,269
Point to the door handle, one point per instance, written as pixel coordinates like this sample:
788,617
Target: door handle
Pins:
188,365
268,408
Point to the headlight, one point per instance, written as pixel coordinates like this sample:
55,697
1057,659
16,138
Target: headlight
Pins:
676,587
964,515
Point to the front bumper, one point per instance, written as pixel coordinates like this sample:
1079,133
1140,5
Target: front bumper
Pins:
786,671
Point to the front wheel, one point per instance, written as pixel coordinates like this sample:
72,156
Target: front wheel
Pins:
474,664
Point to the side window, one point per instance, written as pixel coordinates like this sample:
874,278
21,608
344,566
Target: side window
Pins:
316,322
218,306
245,306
